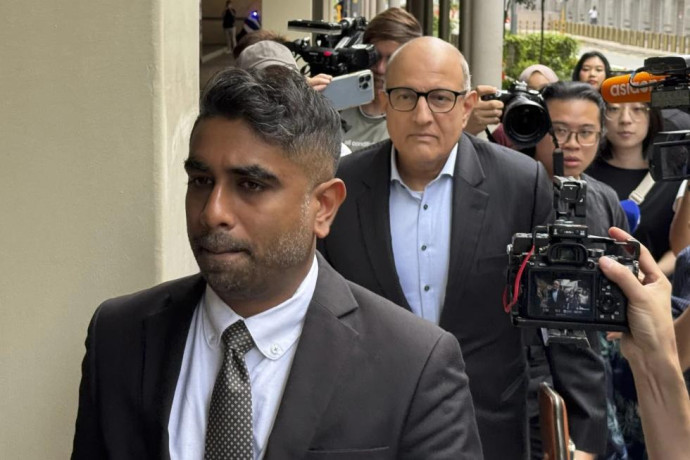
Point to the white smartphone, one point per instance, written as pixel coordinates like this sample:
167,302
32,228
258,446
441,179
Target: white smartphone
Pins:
350,90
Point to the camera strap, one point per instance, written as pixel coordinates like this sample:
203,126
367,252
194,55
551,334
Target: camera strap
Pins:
638,195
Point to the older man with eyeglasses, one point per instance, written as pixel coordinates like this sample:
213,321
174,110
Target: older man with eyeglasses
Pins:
426,222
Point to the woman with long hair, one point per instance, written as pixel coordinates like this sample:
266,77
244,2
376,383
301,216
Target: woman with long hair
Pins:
623,162
592,68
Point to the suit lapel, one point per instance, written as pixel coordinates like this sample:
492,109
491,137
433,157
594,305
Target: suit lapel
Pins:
323,359
164,339
469,211
374,220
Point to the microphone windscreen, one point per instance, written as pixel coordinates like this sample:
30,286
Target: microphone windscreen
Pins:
632,212
617,90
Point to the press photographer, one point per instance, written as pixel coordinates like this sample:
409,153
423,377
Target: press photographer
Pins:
576,114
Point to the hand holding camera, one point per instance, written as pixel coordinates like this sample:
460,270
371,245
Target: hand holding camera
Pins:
485,112
649,315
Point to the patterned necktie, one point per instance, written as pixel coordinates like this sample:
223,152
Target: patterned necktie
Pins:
229,430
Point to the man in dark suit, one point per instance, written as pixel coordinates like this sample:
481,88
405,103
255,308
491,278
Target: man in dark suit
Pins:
305,363
555,297
426,223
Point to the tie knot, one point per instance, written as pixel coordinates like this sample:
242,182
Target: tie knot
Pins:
237,338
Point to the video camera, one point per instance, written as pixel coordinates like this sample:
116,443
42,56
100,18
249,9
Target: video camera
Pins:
554,280
338,48
525,117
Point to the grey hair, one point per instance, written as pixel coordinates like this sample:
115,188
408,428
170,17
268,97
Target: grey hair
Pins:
282,110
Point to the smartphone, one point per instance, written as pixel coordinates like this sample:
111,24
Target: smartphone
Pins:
350,90
670,158
553,419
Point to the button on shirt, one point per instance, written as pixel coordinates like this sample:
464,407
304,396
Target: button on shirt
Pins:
420,233
275,332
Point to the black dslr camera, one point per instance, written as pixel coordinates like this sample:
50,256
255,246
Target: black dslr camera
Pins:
525,117
554,279
338,48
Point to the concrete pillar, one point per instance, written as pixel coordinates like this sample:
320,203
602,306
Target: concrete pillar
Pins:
444,19
392,3
322,10
466,29
380,6
484,45
97,102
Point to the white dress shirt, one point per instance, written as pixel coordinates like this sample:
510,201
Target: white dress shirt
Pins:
275,332
420,233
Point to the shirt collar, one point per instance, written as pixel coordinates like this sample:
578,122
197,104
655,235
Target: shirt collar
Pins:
274,331
447,170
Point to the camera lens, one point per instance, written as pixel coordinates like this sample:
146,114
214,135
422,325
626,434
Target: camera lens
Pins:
525,122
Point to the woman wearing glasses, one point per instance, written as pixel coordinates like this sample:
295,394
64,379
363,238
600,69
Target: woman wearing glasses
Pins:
623,163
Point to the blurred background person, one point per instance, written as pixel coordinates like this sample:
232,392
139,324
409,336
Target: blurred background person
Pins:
229,15
592,68
387,31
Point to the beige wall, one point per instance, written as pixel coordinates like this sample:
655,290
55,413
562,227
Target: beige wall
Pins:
96,105
276,14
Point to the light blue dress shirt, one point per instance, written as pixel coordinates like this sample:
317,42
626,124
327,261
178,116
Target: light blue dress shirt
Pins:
420,233
275,332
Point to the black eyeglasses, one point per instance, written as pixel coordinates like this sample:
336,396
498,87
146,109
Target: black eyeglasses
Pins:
438,100
584,137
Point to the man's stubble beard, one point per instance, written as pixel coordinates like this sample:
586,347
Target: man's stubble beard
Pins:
247,279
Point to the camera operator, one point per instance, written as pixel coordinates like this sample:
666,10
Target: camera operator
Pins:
489,112
485,113
576,113
536,77
387,31
318,82
651,349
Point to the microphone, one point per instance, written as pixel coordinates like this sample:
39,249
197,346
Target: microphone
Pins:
618,90
632,212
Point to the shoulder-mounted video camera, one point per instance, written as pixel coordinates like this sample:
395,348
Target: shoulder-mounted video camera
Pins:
337,49
525,117
554,280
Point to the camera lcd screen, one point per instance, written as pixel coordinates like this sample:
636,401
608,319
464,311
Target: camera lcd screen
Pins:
671,160
565,295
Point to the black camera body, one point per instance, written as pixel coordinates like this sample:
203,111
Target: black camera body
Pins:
670,158
554,279
338,48
525,117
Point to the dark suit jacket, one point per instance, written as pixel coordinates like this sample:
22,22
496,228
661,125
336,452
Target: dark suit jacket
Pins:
368,380
496,193
560,298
